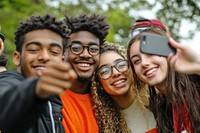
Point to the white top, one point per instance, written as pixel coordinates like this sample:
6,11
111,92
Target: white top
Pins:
139,119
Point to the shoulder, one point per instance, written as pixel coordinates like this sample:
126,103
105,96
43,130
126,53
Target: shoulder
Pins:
11,75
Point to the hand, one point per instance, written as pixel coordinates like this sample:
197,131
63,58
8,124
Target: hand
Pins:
56,77
186,60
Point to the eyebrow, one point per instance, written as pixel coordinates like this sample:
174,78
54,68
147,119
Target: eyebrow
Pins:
91,43
39,44
115,61
133,56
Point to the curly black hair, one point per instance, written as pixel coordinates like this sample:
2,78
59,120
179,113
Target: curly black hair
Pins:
3,60
94,23
41,22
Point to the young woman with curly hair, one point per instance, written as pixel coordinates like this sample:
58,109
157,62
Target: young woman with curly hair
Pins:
118,105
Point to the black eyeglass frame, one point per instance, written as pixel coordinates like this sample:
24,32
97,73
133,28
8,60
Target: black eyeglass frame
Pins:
111,68
83,47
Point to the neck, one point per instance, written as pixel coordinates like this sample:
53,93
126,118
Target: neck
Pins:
125,100
162,89
80,87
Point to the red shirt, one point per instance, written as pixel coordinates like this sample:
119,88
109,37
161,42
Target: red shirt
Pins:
183,124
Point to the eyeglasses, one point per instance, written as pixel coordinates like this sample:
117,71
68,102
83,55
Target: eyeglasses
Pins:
78,48
139,26
106,71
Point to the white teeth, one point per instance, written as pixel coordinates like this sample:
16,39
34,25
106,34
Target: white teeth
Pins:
119,82
151,71
84,65
40,68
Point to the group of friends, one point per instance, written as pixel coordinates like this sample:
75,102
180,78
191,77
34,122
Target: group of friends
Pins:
69,79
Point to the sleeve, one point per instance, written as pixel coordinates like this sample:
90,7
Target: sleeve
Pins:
18,103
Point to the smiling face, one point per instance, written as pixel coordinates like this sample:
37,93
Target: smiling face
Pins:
151,69
117,84
84,64
38,48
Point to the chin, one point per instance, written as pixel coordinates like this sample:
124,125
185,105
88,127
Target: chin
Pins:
84,78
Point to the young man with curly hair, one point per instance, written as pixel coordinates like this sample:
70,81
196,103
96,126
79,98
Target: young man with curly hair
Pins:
28,98
87,36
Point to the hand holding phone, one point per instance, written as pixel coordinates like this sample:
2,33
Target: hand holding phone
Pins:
155,44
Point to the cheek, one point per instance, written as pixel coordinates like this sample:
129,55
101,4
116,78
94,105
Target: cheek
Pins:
105,85
137,70
165,67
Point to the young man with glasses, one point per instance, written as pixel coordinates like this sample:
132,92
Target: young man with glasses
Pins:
87,36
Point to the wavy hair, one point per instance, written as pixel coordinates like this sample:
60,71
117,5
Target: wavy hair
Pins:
108,114
181,89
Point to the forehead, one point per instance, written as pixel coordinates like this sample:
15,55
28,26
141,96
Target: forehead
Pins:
135,48
84,37
109,57
42,36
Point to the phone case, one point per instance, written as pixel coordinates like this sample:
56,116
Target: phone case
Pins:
155,44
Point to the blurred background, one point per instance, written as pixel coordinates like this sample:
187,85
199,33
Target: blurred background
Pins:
182,17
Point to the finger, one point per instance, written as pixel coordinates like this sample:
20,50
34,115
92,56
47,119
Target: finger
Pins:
46,90
65,84
52,72
175,44
61,66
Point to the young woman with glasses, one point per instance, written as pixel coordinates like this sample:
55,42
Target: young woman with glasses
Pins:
176,106
115,94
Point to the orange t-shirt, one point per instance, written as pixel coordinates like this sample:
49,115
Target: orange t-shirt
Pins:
78,115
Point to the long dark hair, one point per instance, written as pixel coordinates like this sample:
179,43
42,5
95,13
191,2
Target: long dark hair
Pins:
159,104
182,89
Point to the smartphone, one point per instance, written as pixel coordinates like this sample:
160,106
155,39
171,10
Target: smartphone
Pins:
155,44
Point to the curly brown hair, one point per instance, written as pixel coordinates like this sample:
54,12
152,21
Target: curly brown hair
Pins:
41,22
94,23
108,113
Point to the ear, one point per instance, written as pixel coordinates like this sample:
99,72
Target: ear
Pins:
16,58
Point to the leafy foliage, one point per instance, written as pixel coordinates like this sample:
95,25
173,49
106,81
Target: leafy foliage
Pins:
120,14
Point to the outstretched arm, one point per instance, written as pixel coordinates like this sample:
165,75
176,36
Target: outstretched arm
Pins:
186,60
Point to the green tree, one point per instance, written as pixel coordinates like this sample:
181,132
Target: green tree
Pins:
121,14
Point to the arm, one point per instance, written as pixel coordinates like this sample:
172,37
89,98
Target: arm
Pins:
16,97
186,60
28,97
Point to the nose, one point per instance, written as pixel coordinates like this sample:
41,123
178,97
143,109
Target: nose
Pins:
85,53
115,72
44,55
145,60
